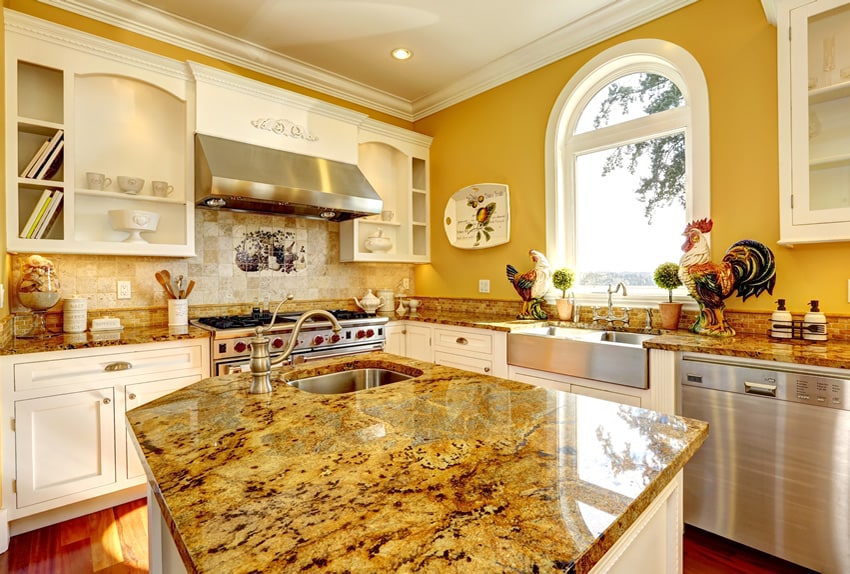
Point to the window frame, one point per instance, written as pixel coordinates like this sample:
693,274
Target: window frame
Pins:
635,56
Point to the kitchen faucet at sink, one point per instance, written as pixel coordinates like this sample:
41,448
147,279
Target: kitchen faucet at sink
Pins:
261,362
610,317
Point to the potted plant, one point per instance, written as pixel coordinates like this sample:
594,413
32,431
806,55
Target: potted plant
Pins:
667,277
562,279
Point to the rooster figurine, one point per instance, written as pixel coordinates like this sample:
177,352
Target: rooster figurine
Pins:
748,268
532,286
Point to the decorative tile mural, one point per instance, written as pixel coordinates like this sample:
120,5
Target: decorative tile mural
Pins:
282,255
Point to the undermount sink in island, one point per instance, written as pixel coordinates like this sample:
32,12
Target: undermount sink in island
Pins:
447,471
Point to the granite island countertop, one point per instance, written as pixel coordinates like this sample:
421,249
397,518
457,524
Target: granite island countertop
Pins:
446,472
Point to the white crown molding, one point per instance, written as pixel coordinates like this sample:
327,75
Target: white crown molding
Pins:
25,25
614,19
769,7
397,133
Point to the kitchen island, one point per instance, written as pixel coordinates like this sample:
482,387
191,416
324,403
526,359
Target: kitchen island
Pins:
445,472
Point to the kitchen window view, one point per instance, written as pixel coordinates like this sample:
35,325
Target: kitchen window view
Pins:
625,178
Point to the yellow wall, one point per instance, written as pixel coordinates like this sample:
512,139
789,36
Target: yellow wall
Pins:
499,137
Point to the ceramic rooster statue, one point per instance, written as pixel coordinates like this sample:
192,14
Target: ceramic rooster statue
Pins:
748,268
532,286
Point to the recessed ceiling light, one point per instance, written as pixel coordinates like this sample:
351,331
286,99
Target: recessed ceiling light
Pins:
402,54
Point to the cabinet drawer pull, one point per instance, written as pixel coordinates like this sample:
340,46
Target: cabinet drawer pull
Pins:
461,341
132,396
118,366
107,401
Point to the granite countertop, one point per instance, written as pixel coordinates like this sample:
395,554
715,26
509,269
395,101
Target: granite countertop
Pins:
88,339
446,472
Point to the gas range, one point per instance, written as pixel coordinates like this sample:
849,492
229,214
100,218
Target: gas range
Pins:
231,336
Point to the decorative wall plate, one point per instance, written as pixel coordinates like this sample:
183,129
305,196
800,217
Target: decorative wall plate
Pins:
479,216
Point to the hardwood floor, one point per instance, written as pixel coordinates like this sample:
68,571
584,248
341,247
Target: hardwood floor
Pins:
114,541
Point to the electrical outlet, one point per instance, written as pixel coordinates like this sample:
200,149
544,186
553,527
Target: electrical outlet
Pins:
848,290
123,289
405,283
483,285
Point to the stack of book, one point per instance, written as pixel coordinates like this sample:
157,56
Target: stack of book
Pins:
48,159
44,214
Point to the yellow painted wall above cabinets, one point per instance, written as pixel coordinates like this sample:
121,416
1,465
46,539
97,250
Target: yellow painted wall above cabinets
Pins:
499,137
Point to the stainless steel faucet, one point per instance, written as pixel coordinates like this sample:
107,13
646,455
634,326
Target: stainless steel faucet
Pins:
610,317
261,363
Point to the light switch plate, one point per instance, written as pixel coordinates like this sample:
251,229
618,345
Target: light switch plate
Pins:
483,285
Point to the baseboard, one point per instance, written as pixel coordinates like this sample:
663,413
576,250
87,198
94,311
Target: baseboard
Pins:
4,530
61,514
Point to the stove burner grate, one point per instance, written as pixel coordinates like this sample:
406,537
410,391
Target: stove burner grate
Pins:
258,318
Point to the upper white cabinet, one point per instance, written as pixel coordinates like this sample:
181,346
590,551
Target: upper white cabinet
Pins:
121,112
395,161
814,122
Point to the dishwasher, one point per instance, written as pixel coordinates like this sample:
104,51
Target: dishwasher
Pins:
774,473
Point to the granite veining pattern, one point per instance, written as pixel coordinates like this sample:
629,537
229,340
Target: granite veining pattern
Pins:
445,472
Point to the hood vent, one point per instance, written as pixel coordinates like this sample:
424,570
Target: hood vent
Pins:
244,177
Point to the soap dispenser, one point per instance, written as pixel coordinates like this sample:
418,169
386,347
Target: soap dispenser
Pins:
814,323
780,321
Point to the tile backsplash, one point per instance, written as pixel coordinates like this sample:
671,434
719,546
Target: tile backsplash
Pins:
291,255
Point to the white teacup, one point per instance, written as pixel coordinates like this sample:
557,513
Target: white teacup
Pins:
97,181
131,185
161,188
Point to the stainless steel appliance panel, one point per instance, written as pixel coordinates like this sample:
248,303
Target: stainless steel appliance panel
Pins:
774,473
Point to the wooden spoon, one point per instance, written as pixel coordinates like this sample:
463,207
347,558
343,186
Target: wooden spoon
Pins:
189,288
165,284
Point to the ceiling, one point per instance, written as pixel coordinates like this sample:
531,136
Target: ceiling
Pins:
342,47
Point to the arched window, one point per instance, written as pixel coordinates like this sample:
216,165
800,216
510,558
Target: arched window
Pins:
627,166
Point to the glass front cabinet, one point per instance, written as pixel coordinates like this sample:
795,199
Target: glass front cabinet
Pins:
814,123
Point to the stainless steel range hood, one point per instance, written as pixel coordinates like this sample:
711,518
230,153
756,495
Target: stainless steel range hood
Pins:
244,177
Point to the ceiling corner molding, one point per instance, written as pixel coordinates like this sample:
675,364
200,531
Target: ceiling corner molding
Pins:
769,7
179,32
613,19
583,33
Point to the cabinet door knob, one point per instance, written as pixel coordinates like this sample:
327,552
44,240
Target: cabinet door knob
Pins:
461,341
132,396
486,369
118,366
107,401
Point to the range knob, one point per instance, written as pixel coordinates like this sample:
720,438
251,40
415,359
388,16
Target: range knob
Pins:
277,343
360,334
239,346
335,338
369,332
318,340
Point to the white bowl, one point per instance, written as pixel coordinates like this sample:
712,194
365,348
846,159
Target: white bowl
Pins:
133,221
131,185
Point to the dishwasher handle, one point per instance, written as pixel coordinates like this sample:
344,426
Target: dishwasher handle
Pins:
760,389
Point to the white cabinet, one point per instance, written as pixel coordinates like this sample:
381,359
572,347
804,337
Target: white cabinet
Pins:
477,350
417,341
395,161
69,441
121,112
65,444
814,121
395,339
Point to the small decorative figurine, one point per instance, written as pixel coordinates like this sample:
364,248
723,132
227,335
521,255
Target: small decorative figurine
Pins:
748,268
532,286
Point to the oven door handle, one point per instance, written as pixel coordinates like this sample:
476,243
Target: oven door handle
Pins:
333,353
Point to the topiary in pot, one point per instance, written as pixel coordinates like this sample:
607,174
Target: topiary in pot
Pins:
667,277
562,280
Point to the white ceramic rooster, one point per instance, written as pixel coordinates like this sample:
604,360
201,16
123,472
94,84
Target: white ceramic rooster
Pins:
532,286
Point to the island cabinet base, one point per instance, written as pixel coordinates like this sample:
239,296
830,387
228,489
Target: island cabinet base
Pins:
653,543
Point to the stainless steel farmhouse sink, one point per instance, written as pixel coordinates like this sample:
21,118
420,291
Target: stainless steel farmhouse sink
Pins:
348,381
610,356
